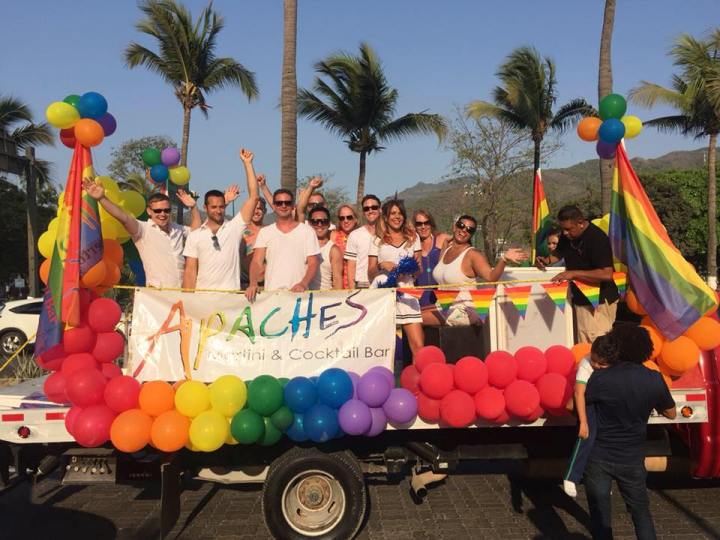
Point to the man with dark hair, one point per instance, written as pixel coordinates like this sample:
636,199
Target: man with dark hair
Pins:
588,258
159,241
212,252
358,244
623,396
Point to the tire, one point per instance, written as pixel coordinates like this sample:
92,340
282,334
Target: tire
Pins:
11,341
296,480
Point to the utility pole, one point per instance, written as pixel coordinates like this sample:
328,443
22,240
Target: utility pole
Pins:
31,212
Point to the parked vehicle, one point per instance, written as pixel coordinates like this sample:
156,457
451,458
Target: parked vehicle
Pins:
18,322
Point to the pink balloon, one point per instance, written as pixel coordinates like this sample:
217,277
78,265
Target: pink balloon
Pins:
121,393
86,387
170,156
109,346
55,388
104,314
92,425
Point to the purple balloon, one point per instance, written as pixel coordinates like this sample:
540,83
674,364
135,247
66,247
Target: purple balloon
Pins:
108,123
379,422
355,378
373,389
606,150
355,417
170,157
401,406
386,373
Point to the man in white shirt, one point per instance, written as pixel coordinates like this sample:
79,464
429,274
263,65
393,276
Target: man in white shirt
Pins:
212,252
358,244
288,249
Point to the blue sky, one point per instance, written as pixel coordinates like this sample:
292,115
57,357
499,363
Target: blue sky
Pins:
438,55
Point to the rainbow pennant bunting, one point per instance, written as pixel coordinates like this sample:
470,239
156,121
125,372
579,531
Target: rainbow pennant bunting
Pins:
620,279
446,298
482,298
415,293
557,291
591,292
519,296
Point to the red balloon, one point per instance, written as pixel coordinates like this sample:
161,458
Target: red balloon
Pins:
470,374
74,362
489,403
521,398
52,359
436,380
109,346
429,354
504,418
457,409
55,388
428,408
537,413
121,393
85,387
78,339
110,370
560,360
410,379
104,314
67,137
92,425
502,368
553,389
70,418
531,363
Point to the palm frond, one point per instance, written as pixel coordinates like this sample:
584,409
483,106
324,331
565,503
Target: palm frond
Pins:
224,72
649,94
413,124
12,111
570,114
33,135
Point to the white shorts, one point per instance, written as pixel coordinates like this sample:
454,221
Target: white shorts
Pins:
407,308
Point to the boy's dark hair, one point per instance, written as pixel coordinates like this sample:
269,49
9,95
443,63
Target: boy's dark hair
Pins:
157,197
368,197
214,193
607,349
634,342
316,209
284,191
570,212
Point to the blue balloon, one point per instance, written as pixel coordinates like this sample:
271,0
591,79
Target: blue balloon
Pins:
611,130
321,423
300,394
92,105
334,387
159,173
296,431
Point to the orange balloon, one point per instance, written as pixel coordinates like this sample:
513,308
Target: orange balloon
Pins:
156,397
112,277
652,365
113,251
45,271
633,304
657,340
580,350
130,431
705,333
588,128
170,431
94,276
678,356
89,132
101,290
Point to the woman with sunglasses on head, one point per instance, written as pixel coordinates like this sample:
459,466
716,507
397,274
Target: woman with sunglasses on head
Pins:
460,263
394,240
347,223
432,243
329,273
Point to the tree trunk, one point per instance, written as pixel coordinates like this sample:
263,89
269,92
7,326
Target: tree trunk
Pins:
536,158
605,86
288,96
183,156
32,227
361,179
712,214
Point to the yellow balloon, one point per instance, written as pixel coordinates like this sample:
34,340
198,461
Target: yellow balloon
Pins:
114,197
228,395
603,223
62,115
53,225
230,439
111,227
193,398
133,202
179,175
61,199
109,184
209,431
46,244
633,126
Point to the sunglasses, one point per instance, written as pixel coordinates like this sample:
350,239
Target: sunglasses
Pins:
283,203
216,242
371,207
421,223
319,222
161,210
467,228
346,218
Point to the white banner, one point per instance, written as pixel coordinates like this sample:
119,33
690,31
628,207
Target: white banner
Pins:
204,335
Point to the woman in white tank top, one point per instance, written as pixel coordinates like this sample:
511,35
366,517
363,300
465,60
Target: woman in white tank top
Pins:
461,264
329,273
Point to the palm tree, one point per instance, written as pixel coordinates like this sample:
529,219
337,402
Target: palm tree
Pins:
696,101
605,87
288,97
186,58
358,104
527,97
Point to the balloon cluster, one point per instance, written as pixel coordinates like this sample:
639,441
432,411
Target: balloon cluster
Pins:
165,165
523,386
82,119
611,127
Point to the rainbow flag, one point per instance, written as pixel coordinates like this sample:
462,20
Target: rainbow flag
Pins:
482,298
415,293
557,291
78,247
620,279
446,298
520,297
541,222
590,291
666,285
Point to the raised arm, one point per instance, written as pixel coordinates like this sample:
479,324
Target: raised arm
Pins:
264,189
249,205
97,192
188,202
304,197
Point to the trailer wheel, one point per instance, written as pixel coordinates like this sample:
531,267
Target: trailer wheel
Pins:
310,494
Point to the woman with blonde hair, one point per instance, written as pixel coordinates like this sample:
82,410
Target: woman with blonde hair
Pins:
432,243
347,223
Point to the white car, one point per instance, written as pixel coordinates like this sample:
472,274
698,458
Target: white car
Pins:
18,321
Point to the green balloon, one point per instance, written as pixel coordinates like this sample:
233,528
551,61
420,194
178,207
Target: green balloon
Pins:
247,427
282,418
271,435
72,99
284,381
151,157
612,106
265,395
